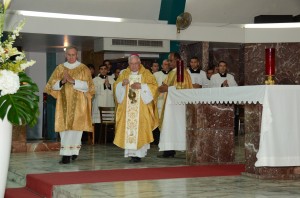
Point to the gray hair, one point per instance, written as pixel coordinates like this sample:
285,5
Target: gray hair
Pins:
71,47
133,56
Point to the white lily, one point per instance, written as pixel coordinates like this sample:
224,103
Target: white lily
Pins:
6,4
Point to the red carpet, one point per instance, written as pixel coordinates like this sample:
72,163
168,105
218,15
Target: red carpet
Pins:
20,193
43,183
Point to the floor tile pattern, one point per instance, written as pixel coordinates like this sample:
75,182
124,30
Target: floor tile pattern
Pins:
101,157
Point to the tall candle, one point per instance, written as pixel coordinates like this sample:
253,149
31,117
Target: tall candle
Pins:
180,71
270,61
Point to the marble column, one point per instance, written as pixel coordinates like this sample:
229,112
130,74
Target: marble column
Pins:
205,56
19,139
20,143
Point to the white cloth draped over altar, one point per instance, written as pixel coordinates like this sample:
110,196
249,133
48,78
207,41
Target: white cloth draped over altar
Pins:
280,127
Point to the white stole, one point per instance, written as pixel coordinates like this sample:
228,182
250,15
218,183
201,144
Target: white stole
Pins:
132,114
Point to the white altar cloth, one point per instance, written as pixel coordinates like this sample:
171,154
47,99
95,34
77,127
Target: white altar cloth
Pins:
280,127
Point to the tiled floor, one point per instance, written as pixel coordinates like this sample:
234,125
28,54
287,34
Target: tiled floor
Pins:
110,157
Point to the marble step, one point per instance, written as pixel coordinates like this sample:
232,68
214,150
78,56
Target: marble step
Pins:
34,146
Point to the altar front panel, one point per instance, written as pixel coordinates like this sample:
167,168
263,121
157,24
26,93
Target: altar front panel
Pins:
271,125
210,134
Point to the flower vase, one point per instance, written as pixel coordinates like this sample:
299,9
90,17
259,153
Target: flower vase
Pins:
5,148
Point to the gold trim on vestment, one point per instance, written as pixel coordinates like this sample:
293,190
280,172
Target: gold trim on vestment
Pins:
132,113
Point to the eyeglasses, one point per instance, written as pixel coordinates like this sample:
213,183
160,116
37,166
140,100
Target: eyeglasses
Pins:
133,63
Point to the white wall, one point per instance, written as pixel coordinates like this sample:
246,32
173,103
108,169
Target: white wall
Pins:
38,74
269,35
60,58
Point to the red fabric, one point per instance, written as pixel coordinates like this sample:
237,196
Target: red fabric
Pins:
20,193
43,183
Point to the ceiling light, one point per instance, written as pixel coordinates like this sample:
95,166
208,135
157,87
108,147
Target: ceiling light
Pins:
273,25
68,16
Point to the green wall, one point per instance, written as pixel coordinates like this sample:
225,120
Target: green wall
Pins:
51,65
169,10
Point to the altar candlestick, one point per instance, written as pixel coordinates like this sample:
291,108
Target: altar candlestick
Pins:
180,71
270,61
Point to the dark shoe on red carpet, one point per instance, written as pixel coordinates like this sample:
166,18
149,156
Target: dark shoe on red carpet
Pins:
74,157
135,160
65,160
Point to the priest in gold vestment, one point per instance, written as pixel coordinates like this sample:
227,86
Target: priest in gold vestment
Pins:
72,86
136,113
170,141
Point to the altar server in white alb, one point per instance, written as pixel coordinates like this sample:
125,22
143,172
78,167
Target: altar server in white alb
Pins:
103,96
223,78
198,76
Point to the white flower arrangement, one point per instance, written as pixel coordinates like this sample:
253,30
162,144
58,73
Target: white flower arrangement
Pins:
9,82
18,99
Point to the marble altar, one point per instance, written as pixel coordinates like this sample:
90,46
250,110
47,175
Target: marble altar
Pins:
272,141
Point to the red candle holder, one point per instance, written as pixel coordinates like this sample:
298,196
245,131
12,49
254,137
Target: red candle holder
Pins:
270,65
180,71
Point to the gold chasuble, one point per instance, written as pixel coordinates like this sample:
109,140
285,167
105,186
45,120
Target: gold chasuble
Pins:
73,107
171,80
136,120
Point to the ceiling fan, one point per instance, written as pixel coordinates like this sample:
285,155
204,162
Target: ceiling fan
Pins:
183,21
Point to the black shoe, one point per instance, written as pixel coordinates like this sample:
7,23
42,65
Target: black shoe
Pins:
65,160
167,154
74,157
135,160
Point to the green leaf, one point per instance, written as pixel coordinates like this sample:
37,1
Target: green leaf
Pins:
22,107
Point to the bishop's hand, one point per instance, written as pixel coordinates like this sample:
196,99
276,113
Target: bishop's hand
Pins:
136,85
